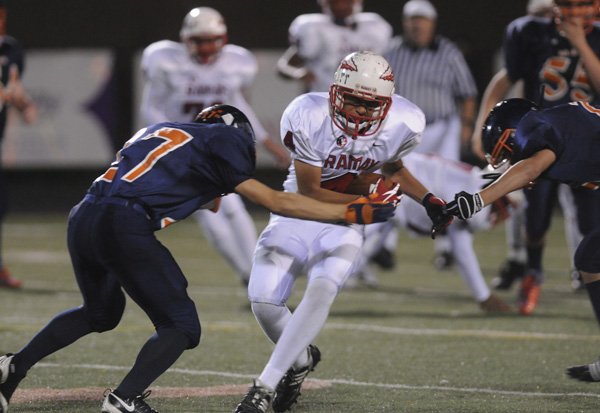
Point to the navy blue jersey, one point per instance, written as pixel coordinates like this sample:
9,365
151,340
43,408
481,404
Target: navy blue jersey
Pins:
172,169
11,53
535,52
572,132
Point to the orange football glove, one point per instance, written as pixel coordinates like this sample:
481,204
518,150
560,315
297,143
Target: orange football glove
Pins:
367,211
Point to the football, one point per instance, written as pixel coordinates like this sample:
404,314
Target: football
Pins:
361,184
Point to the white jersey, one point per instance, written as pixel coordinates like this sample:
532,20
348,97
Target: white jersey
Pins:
444,178
309,133
177,87
322,44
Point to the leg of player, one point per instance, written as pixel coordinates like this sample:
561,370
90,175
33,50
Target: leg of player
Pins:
572,233
461,242
232,232
515,265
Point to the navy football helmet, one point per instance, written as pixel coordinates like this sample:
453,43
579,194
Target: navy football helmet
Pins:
227,115
498,134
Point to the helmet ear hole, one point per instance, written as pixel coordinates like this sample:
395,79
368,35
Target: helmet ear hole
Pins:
227,115
499,129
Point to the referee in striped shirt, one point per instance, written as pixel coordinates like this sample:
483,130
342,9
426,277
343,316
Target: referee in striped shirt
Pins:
431,72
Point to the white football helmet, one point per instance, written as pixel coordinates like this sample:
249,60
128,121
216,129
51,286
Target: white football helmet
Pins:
204,33
203,22
363,77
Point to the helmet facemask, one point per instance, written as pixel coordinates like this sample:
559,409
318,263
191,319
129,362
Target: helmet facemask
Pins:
502,152
345,103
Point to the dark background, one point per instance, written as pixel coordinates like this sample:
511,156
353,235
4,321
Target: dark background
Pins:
127,26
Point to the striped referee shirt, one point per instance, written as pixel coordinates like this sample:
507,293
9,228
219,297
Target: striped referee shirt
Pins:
433,78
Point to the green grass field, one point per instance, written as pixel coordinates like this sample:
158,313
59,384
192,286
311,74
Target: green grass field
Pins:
419,343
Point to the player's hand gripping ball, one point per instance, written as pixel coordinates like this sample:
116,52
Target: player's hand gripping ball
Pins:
367,211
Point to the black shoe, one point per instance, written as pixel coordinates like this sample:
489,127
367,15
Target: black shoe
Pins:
288,389
586,372
6,369
509,272
384,258
115,404
443,260
257,400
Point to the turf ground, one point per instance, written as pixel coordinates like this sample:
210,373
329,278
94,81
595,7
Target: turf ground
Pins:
419,343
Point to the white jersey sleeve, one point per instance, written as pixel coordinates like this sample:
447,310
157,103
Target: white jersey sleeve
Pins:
157,89
405,122
297,128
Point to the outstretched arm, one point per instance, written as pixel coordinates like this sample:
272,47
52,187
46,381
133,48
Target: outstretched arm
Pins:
360,211
520,175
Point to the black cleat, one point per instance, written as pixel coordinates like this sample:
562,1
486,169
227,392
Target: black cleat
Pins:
6,368
115,404
443,260
384,259
509,272
587,372
288,388
257,400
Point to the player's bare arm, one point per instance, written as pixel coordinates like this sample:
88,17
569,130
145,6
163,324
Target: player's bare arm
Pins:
520,175
495,91
409,185
298,206
309,184
574,31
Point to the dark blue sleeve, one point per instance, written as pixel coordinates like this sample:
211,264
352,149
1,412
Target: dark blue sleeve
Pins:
234,155
534,133
513,51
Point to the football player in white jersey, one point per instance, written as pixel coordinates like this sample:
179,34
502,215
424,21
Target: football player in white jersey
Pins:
359,127
443,176
319,41
182,78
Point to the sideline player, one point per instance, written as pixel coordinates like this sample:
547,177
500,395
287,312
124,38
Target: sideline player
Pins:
559,144
163,174
182,78
319,41
445,177
12,95
360,126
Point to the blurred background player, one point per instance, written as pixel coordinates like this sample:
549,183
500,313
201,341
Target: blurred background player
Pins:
446,177
361,125
557,59
12,95
183,78
514,267
319,41
431,72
